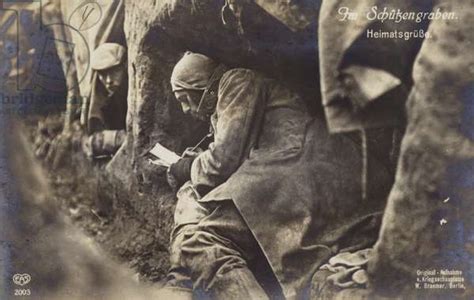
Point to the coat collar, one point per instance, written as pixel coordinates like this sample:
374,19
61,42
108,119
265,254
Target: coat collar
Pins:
208,101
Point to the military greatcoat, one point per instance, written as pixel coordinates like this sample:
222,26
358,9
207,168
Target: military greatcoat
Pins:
297,187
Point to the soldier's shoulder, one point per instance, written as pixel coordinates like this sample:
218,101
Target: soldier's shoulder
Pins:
239,76
240,73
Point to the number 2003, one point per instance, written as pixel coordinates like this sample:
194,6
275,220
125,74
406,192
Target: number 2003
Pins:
22,292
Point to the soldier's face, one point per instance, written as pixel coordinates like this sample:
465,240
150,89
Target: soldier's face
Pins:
189,100
112,78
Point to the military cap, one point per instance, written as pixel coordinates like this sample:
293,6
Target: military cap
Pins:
107,55
192,72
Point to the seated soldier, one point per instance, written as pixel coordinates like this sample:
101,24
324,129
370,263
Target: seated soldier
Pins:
108,107
273,181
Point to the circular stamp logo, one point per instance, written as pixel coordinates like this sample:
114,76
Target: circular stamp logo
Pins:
21,279
86,16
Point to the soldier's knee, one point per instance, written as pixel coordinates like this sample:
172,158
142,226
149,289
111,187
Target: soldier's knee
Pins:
206,254
178,236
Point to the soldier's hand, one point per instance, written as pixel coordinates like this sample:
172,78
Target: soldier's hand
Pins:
181,170
193,153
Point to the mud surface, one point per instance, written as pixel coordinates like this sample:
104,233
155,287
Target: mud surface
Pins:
74,182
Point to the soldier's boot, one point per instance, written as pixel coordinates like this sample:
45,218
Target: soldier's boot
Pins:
237,284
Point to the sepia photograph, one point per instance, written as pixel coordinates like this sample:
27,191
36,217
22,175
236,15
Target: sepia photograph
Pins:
236,149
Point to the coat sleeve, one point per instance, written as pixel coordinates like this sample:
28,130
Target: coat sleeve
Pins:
239,92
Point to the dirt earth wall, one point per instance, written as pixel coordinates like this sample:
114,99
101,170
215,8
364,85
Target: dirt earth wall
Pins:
428,221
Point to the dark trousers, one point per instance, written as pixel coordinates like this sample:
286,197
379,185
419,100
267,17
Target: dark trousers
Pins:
214,251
